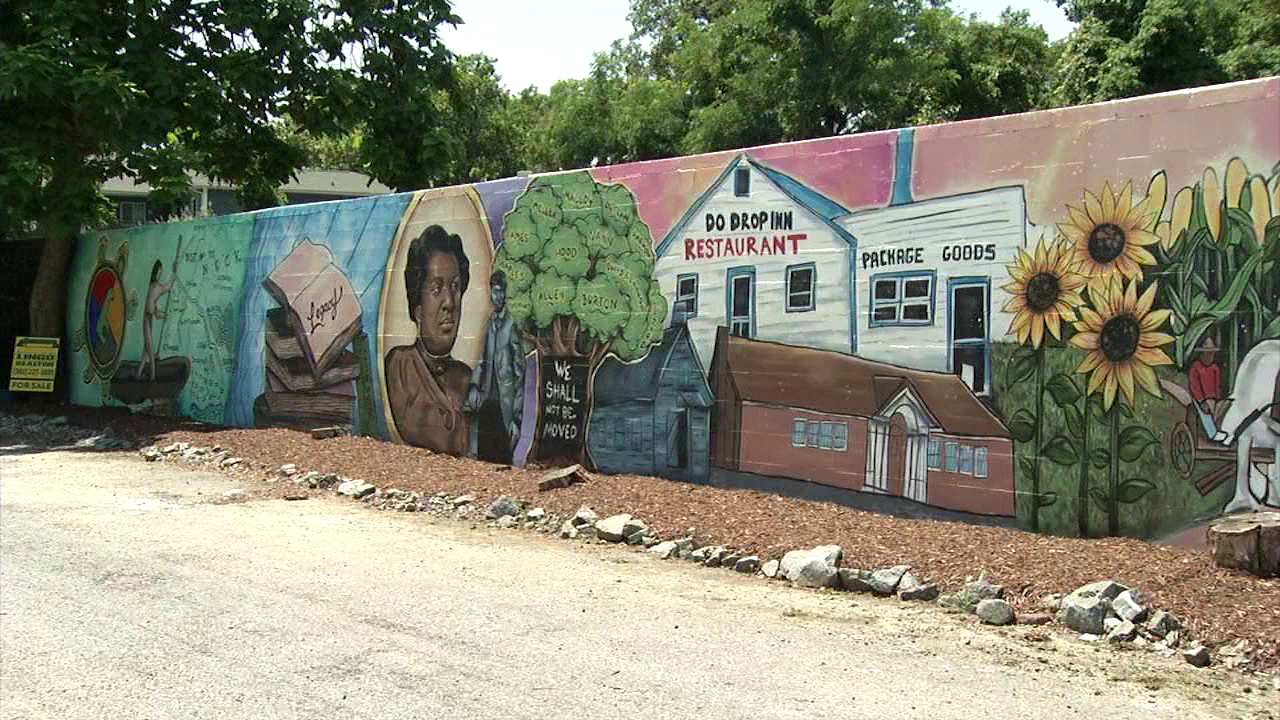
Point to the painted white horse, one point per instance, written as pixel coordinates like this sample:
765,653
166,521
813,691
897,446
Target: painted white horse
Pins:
1250,423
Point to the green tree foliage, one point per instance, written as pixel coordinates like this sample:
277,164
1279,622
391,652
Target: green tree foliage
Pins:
579,268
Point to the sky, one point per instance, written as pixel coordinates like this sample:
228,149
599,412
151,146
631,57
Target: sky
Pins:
538,43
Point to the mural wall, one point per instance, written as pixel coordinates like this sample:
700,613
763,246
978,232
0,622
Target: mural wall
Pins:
1068,320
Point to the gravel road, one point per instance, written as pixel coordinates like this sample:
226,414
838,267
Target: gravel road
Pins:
126,593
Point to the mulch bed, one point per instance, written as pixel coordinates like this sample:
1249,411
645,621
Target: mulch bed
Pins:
1222,606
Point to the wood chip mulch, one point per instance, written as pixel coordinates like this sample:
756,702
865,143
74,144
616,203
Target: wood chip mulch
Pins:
1221,606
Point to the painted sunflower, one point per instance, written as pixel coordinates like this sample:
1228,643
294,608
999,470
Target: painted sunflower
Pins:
1109,235
1121,340
1044,290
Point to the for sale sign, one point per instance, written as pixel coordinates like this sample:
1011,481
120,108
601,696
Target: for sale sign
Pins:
35,364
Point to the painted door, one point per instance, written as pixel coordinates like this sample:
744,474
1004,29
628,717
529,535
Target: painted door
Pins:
742,302
678,439
969,318
897,454
917,445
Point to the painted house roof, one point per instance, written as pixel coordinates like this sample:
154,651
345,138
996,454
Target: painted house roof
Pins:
618,382
840,384
823,207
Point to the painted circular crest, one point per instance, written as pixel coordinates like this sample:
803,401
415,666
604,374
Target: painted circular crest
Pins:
104,314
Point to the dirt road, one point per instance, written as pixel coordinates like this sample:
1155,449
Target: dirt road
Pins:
126,593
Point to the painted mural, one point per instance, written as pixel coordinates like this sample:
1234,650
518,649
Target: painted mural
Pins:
1068,320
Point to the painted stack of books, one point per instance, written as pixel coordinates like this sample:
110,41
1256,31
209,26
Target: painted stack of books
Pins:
310,372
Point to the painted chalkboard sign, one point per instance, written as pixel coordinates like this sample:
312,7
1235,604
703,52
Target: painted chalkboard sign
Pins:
562,407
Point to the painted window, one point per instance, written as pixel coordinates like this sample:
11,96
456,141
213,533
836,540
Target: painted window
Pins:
966,459
131,212
935,454
798,433
801,287
742,182
824,436
687,293
741,301
953,457
839,436
902,299
815,429
979,462
968,312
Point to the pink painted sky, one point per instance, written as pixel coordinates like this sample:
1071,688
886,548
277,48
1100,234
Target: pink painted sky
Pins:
1055,154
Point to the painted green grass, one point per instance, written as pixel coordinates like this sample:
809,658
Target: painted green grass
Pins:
1172,504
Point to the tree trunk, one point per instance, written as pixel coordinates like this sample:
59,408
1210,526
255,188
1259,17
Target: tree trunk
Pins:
1247,542
47,309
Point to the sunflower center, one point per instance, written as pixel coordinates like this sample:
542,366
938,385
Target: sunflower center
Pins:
1106,242
1042,291
1119,339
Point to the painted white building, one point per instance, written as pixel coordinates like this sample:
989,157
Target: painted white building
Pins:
914,284
759,253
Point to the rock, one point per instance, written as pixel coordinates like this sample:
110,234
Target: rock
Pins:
507,521
584,517
1106,589
1089,637
1197,656
770,569
715,556
684,547
330,431
1035,619
229,462
748,564
536,514
1124,631
463,500
235,495
973,592
813,568
613,528
152,455
885,581
1174,638
1163,623
634,531
1084,614
503,506
568,530
995,612
701,554
664,550
1051,602
649,541
925,592
730,559
562,478
174,448
1110,623
855,580
1131,605
355,489
287,470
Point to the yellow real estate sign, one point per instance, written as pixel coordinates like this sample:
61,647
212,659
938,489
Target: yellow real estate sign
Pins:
35,364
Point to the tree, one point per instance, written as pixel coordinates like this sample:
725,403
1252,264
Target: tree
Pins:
579,267
93,89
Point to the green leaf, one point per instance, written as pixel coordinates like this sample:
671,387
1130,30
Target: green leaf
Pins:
1064,389
1061,450
1272,330
1125,410
1100,498
1100,458
1074,420
1133,441
1134,489
1243,222
1028,466
1021,365
1023,425
1047,498
1096,407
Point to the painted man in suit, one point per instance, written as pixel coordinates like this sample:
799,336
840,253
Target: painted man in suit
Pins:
426,386
496,397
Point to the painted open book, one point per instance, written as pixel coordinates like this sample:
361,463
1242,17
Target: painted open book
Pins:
320,305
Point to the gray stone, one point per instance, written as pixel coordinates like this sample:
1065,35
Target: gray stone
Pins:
855,580
1124,631
612,528
748,564
1110,623
701,554
1089,637
507,521
1051,602
813,568
715,556
885,581
730,559
649,541
152,455
568,531
1131,605
995,612
502,506
463,500
635,532
980,589
355,489
770,569
288,469
584,517
535,514
664,550
1197,656
325,480
1163,623
1107,590
684,547
229,462
925,592
235,495
1084,614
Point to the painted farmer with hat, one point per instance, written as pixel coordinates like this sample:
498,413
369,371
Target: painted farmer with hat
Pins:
1206,385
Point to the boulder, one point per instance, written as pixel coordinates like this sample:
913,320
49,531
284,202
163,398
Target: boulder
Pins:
1197,656
613,528
1131,605
684,547
715,556
535,514
813,568
701,554
1084,614
635,531
1124,631
664,550
770,569
748,564
885,581
502,506
855,580
355,489
995,612
585,516
463,500
918,591
568,530
730,559
1163,623
1106,589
